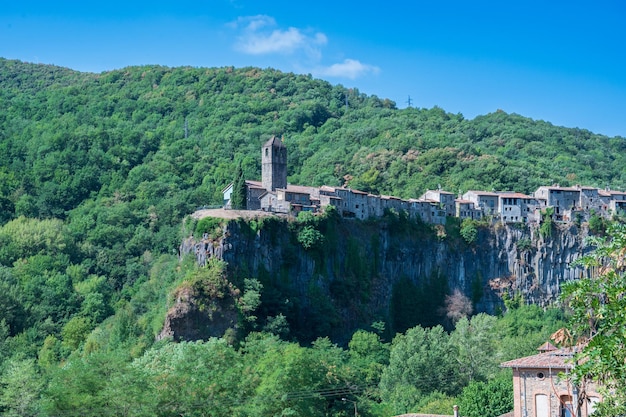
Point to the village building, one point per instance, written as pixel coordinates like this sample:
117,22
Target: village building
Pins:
564,200
274,194
445,198
542,388
515,207
614,201
426,211
274,164
590,199
465,209
485,201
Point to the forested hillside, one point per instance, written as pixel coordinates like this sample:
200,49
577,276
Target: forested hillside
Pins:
97,172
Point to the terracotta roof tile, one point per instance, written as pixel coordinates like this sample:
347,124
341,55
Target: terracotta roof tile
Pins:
559,358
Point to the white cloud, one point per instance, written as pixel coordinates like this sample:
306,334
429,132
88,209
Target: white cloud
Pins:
349,68
260,35
257,39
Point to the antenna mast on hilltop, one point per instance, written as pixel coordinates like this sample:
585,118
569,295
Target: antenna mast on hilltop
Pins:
409,101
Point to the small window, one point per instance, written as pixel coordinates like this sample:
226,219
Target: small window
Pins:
267,152
540,375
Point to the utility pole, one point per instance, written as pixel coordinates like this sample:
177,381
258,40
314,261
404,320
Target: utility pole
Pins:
356,413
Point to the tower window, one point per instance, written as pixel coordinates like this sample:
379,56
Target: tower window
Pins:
267,152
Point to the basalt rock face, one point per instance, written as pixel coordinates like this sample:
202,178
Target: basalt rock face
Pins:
362,272
189,319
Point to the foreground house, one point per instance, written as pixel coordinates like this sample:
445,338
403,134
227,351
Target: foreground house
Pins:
541,387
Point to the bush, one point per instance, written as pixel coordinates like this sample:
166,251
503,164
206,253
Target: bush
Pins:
524,244
310,238
210,225
545,230
469,232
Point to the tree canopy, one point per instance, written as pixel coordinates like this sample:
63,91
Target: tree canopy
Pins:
97,172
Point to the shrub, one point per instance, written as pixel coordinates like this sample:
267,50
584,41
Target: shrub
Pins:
469,232
524,244
210,225
310,238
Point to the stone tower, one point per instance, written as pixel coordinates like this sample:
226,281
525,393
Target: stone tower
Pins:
274,164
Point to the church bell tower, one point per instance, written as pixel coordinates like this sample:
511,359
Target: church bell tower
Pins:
274,164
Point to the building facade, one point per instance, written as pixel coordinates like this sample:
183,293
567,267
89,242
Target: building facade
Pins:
274,194
274,164
541,387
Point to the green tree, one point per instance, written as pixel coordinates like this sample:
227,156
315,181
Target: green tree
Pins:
476,342
488,399
21,386
368,355
598,305
421,361
191,378
469,232
238,196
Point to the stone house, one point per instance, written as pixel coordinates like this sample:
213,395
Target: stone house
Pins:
614,201
541,387
515,207
465,209
445,198
254,192
617,206
423,209
486,201
273,177
590,199
562,199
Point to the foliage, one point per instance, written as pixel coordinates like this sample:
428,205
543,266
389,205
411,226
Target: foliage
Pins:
524,244
469,232
522,328
310,238
437,403
212,226
476,344
598,306
238,196
597,224
96,175
488,399
547,223
21,388
424,360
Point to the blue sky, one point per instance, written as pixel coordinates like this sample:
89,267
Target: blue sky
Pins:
559,61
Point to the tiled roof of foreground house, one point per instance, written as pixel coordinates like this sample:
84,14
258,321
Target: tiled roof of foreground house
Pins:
549,358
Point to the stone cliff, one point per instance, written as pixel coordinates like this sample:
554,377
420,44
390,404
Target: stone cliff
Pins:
348,274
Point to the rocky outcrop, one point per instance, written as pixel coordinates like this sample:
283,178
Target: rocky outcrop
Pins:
385,271
201,310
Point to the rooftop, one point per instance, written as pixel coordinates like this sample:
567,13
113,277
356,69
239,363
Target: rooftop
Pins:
557,358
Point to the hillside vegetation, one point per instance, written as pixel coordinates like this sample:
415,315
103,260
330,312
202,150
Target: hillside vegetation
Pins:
97,173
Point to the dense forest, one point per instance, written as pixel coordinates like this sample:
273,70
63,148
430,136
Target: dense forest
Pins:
97,172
